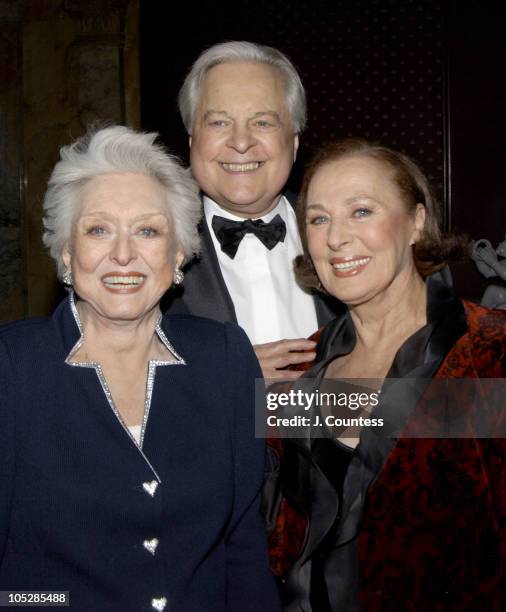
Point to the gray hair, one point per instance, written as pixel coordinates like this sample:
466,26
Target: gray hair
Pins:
242,51
118,149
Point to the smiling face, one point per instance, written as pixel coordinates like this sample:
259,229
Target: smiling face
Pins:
122,252
359,230
243,145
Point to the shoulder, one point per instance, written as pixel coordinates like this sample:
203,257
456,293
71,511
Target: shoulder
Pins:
22,326
486,328
25,333
27,351
42,342
487,332
482,349
485,320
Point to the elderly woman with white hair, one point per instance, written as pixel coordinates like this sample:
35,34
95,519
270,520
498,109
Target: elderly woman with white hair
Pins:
129,470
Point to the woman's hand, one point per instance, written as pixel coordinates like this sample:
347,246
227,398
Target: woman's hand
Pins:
274,356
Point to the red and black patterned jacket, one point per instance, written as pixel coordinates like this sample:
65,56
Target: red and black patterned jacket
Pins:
431,530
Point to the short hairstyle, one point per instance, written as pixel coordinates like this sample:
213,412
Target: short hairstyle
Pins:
118,149
242,51
431,252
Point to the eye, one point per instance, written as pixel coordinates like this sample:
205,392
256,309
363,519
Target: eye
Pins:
148,232
95,230
317,220
217,123
263,123
362,212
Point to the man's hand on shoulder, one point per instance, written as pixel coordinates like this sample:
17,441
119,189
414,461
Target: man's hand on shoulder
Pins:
274,356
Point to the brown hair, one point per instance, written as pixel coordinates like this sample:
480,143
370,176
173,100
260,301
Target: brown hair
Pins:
431,252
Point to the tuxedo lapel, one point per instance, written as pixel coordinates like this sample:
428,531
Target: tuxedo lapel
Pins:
204,292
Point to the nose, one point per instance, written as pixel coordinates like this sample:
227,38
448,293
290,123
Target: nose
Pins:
241,138
339,235
123,249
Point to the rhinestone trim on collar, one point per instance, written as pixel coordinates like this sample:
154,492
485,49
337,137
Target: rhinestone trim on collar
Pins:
153,363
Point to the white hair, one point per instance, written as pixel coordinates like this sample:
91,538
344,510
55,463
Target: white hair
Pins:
118,149
242,51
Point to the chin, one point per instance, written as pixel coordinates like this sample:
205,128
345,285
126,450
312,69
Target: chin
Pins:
350,297
123,311
240,199
123,315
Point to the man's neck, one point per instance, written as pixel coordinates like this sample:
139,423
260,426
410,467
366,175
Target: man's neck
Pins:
213,207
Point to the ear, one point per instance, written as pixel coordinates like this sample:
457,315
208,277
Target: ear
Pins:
179,258
295,146
420,214
66,257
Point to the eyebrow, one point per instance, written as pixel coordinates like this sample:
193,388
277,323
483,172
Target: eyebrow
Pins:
361,196
348,202
268,112
316,206
213,111
107,216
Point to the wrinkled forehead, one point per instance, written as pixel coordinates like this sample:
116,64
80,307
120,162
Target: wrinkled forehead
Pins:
363,167
353,175
123,193
354,167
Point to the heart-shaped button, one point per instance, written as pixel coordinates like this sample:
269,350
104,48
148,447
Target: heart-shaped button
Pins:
150,487
159,603
150,545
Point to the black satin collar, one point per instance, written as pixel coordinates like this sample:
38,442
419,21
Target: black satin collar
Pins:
418,358
446,322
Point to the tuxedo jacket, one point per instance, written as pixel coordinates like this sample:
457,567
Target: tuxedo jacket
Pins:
421,525
205,294
123,527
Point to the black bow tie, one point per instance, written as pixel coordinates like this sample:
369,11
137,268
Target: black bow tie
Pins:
230,233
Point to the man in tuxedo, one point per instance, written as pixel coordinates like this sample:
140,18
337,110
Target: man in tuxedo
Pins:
244,106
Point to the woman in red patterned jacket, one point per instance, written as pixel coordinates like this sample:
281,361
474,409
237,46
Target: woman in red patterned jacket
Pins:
414,520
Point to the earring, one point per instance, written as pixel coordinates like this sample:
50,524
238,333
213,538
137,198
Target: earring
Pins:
67,279
178,276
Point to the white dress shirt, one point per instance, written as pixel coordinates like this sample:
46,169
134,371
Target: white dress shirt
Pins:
269,304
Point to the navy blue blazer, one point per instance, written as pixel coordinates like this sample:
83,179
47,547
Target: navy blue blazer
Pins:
174,524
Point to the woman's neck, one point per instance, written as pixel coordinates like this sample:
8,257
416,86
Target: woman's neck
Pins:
397,313
104,336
